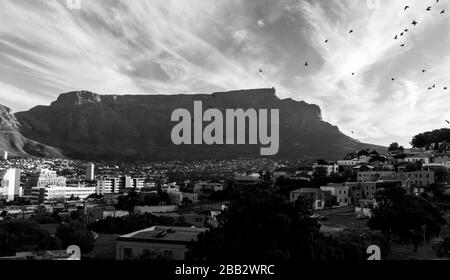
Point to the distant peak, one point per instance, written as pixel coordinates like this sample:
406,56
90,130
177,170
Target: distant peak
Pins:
76,98
7,118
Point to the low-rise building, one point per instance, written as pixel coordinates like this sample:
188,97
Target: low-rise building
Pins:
140,210
340,191
330,168
424,158
315,196
373,176
158,242
422,178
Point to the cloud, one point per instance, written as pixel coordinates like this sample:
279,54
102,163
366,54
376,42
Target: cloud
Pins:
200,46
261,23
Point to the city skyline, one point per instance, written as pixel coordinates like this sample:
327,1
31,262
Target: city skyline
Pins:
364,81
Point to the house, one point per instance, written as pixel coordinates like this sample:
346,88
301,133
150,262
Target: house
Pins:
315,196
330,168
423,178
340,191
423,158
158,242
373,176
350,162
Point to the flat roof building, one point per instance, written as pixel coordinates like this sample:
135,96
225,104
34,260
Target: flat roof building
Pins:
159,242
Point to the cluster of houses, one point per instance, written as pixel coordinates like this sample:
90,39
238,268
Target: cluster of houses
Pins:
413,169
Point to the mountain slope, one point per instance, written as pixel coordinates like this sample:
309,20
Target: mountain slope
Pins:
92,126
15,143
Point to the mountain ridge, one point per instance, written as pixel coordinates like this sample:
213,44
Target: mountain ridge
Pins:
86,125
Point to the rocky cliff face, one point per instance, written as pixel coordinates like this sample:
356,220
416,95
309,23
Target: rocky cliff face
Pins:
15,143
91,126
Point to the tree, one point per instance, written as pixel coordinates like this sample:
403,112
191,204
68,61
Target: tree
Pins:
262,226
23,236
441,174
320,176
393,147
75,233
405,216
442,248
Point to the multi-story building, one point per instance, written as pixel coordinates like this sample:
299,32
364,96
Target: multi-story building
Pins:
79,191
50,178
10,183
373,176
48,187
425,159
421,178
109,185
315,196
355,192
90,172
115,184
340,191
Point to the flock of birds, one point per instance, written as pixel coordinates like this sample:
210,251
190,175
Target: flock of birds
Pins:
397,37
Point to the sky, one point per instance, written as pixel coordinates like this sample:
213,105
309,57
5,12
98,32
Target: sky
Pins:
203,46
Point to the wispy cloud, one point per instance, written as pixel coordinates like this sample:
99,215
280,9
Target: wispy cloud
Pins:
177,46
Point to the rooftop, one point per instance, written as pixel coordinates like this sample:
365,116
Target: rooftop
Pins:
163,234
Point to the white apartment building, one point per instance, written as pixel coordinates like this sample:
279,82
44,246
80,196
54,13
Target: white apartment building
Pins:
60,193
114,184
10,183
80,191
49,187
90,172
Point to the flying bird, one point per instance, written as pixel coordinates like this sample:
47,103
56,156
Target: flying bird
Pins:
351,31
401,34
406,7
353,74
443,12
429,8
447,121
395,37
326,41
414,23
393,79
402,45
423,71
406,30
306,63
434,85
260,70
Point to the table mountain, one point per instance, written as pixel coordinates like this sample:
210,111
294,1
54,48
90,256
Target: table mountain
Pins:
86,125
